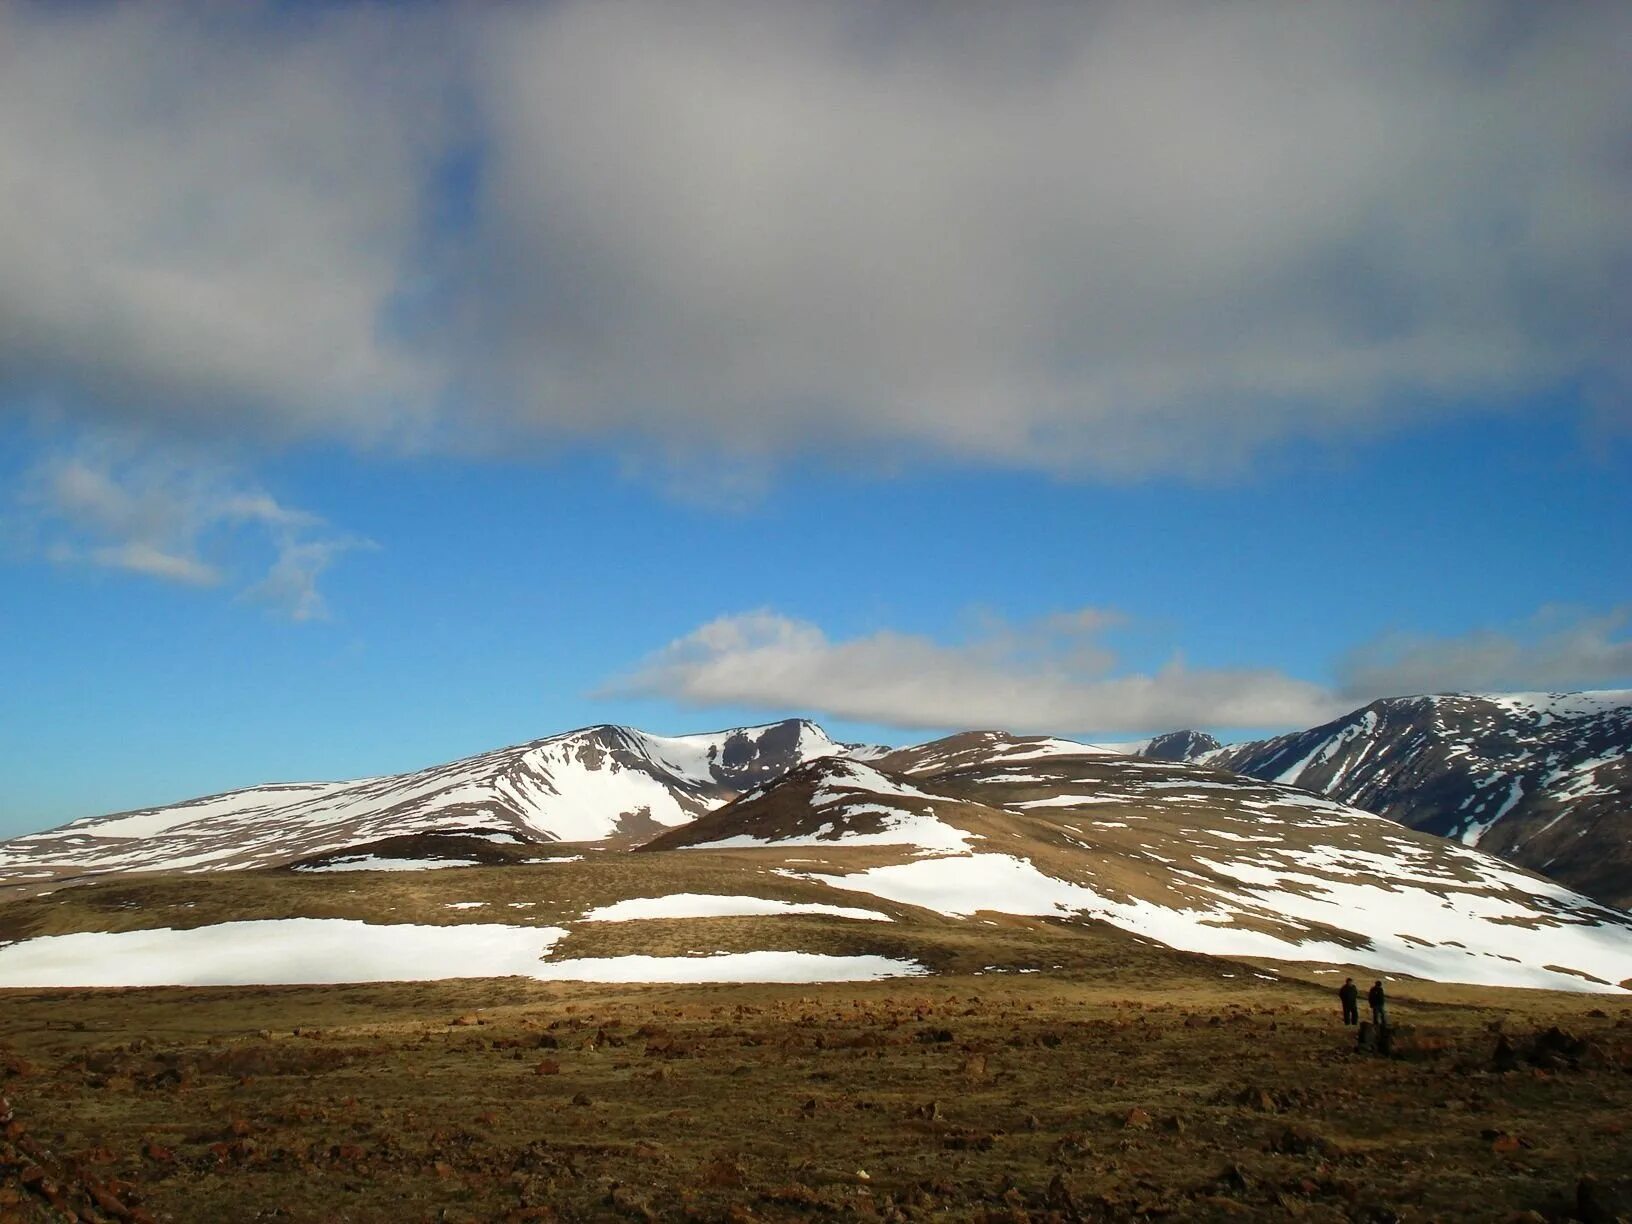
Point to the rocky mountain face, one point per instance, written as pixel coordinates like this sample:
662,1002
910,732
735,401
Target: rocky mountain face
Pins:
1543,780
1186,855
1180,746
605,784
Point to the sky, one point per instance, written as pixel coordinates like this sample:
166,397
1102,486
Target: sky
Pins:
381,384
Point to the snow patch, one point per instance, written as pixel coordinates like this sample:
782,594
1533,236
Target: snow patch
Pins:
703,905
278,951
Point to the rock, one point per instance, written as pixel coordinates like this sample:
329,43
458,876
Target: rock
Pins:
548,1067
1300,1141
631,1203
1603,1202
582,1098
1059,1196
1231,1177
1137,1119
724,1172
1374,1038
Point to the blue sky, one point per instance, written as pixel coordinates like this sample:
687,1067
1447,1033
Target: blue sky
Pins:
608,369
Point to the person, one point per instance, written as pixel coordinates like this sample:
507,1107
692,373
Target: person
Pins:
1378,1001
1349,995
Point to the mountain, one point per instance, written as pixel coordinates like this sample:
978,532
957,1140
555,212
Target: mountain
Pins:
1543,780
605,784
979,852
1180,746
1189,856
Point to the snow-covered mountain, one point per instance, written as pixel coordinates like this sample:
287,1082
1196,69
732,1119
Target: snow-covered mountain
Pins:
1188,856
605,784
1540,779
957,842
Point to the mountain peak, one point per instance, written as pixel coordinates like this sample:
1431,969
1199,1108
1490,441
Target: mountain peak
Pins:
1179,746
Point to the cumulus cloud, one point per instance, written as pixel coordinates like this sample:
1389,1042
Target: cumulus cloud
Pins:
113,505
1116,238
1559,649
1032,678
1057,675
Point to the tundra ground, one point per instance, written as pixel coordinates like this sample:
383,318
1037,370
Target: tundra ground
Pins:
1157,1088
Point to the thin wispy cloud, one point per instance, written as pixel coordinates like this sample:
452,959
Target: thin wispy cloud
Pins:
116,506
1113,239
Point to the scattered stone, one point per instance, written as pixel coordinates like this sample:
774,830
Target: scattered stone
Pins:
1374,1039
1232,1177
1300,1141
724,1172
630,1203
1603,1202
1059,1196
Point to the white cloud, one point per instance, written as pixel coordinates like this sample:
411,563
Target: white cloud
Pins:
291,584
114,504
207,214
1560,649
767,661
1114,238
1054,675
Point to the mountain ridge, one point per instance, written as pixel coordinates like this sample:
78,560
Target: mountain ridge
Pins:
604,783
1543,780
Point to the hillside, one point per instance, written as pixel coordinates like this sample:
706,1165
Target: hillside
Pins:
605,784
1543,780
1191,857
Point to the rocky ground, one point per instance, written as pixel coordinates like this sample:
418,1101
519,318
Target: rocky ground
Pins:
998,1097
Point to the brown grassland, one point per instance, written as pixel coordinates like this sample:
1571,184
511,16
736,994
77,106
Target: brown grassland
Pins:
1151,1088
1050,1070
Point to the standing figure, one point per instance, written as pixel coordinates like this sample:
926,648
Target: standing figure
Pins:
1349,995
1378,1001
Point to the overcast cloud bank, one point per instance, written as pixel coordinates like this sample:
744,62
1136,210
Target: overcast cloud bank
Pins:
1117,238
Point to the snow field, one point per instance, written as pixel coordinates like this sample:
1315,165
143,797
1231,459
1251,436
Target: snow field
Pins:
701,905
300,951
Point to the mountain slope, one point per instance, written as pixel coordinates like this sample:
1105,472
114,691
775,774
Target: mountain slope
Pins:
1541,779
602,784
1191,857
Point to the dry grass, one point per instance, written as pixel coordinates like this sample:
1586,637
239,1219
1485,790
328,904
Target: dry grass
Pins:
1150,1086
1086,1074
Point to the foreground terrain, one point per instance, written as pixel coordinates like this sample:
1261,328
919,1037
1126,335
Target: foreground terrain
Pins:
1144,1083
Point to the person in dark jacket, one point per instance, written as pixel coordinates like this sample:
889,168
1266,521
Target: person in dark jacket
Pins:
1378,1001
1349,995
